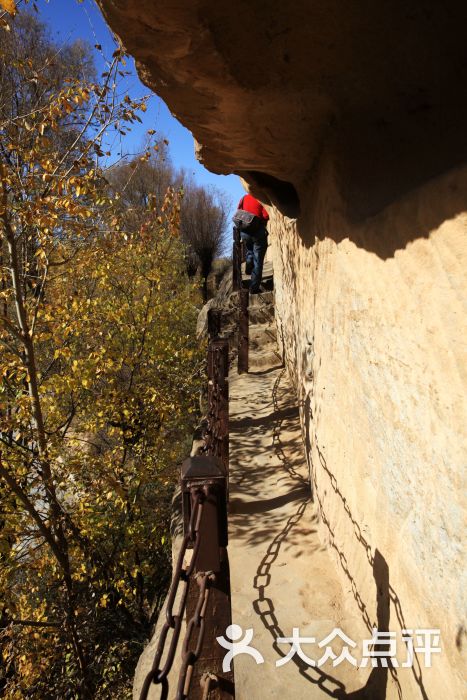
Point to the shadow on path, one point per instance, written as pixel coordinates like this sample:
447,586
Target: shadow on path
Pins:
385,591
376,686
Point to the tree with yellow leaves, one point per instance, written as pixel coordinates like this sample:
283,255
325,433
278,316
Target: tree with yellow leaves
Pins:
99,377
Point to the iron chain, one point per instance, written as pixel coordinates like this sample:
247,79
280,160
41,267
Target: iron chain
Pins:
198,621
183,573
181,576
208,683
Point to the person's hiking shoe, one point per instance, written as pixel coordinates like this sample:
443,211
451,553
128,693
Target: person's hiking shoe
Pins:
257,290
248,267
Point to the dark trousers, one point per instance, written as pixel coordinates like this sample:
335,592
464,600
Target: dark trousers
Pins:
256,247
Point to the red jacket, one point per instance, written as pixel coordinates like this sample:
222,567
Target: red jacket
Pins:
251,204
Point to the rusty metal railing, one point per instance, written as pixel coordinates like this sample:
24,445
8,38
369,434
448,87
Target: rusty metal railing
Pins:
236,260
214,323
216,436
200,587
202,559
244,301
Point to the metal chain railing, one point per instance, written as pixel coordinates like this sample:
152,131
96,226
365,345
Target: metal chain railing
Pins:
204,481
209,682
198,622
181,576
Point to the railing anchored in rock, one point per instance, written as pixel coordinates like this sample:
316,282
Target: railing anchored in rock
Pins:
200,587
244,300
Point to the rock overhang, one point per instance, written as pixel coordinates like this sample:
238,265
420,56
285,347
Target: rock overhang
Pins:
273,90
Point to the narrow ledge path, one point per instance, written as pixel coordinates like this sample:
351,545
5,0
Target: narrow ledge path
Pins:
282,575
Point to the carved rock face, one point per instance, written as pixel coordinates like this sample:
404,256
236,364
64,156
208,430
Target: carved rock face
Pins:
268,88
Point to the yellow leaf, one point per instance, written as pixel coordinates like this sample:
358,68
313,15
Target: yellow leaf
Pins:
9,6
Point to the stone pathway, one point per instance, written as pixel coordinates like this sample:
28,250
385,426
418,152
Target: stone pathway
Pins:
281,574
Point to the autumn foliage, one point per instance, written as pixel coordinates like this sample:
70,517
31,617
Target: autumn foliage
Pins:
99,379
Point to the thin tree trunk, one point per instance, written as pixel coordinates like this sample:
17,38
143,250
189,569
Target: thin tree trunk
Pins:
58,544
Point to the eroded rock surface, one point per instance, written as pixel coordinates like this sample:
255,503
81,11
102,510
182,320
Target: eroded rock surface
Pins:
268,88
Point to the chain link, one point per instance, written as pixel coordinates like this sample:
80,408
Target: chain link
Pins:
181,576
208,683
198,621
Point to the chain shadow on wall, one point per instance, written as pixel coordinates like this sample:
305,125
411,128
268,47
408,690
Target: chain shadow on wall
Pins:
385,592
375,687
279,416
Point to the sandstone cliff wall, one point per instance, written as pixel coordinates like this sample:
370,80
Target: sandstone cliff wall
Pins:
375,339
348,119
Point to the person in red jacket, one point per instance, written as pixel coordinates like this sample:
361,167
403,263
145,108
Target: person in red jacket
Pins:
256,243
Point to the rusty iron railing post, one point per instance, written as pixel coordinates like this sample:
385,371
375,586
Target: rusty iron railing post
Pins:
200,586
243,331
217,434
208,602
237,260
214,323
208,474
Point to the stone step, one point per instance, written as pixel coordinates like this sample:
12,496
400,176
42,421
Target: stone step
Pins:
264,359
262,347
263,336
267,283
267,327
261,315
268,271
262,299
262,341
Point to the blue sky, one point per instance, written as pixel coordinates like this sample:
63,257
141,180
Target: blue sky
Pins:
70,20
